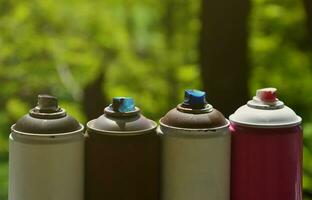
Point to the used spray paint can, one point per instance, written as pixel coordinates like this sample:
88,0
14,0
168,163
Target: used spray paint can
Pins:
266,150
195,151
46,154
122,154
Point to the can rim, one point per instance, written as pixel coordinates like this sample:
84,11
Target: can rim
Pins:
121,133
193,129
48,135
277,125
192,132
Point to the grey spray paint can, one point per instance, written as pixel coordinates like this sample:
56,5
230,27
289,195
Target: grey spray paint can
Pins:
195,151
46,154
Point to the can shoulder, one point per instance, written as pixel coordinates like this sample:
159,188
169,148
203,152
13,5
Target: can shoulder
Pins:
281,117
29,124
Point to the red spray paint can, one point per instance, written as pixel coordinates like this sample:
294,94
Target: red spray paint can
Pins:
266,150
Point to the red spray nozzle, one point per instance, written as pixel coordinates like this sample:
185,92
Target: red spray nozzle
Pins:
267,94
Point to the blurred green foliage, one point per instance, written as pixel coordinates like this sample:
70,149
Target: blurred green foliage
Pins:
60,47
146,49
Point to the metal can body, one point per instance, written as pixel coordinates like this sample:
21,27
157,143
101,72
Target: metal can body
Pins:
46,154
266,150
122,167
196,151
196,167
266,163
122,154
46,167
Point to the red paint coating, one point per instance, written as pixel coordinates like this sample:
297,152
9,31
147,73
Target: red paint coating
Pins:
267,95
266,163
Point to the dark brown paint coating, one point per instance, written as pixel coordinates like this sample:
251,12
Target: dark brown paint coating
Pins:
47,118
121,166
177,118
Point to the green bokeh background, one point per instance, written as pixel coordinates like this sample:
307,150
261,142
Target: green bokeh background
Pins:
59,47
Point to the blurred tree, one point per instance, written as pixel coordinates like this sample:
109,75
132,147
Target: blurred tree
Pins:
308,9
86,52
223,53
94,99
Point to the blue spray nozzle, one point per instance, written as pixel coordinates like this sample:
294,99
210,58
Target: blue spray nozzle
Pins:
123,104
194,98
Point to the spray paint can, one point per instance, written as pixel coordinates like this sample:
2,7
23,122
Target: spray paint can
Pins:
122,154
195,151
266,150
46,154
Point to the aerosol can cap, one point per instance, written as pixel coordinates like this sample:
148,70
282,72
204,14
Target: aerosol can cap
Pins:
121,117
47,118
194,99
47,103
267,95
265,110
123,104
121,107
193,113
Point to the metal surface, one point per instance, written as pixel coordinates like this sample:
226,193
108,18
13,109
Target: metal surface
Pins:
122,156
46,118
260,112
121,118
46,167
266,163
196,167
130,125
205,120
46,155
195,151
194,113
266,150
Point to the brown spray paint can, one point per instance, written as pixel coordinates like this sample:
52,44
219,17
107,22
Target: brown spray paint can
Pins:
122,154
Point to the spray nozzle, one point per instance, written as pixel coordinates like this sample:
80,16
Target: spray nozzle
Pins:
123,104
194,99
267,95
47,104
